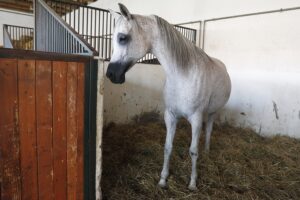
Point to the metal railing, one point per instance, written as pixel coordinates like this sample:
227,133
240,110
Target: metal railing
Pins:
95,26
197,27
52,34
18,37
189,33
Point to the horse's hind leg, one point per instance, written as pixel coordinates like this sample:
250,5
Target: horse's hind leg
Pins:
196,122
209,127
171,122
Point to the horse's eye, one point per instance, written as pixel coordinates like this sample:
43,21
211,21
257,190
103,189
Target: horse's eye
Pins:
122,38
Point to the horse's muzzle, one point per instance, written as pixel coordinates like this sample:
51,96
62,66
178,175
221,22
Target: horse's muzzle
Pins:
116,72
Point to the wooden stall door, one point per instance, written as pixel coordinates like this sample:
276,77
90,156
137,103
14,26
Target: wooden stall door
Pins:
41,129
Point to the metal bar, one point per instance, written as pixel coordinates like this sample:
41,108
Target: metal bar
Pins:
74,17
82,22
98,32
49,33
78,19
102,39
106,45
95,29
255,13
110,36
15,36
70,14
87,22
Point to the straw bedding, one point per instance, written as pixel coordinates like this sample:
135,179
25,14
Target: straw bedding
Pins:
240,165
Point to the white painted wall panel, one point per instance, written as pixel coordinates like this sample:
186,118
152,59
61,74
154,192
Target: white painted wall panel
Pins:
262,56
142,92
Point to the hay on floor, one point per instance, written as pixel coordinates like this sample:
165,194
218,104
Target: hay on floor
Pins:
240,165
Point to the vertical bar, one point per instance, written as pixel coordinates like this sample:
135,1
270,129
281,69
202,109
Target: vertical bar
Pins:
68,42
50,31
106,45
64,40
60,36
91,27
95,26
110,36
74,45
74,17
82,23
22,45
78,19
46,32
102,35
90,128
98,32
87,22
14,37
69,13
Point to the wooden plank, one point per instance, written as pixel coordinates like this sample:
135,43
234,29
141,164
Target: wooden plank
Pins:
44,129
71,130
60,129
39,55
9,133
80,129
28,143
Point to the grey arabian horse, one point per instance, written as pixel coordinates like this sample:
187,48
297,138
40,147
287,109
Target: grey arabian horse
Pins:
196,85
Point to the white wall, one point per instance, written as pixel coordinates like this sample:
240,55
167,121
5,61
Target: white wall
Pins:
14,18
262,56
142,92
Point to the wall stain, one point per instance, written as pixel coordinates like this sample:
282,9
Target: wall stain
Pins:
275,109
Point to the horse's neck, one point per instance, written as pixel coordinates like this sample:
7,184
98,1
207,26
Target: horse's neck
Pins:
163,54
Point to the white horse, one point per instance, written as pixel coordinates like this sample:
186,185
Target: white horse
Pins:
196,84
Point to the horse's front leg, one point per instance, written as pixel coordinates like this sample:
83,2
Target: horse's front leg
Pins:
170,121
196,122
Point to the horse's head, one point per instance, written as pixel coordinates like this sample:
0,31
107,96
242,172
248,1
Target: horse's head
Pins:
130,43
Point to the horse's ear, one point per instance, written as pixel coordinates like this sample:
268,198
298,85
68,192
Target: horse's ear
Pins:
125,11
114,14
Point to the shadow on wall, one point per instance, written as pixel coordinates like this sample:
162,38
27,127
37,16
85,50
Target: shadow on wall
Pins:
122,103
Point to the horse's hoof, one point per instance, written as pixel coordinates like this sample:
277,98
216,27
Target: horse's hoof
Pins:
162,183
192,187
